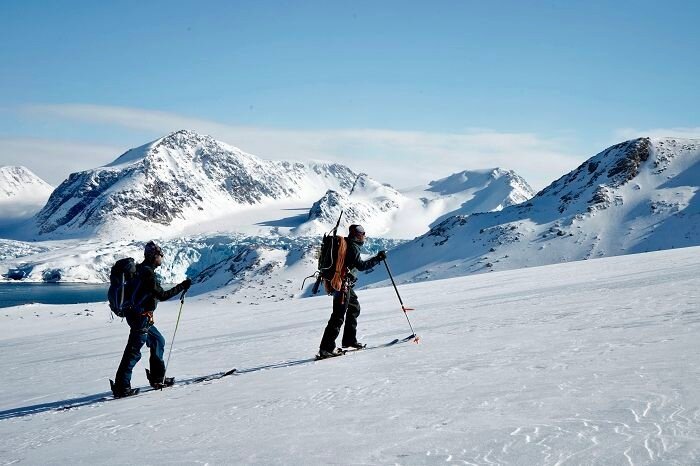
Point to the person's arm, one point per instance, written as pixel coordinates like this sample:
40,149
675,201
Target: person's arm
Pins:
353,260
164,295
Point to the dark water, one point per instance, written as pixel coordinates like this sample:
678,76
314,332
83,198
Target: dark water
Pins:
14,294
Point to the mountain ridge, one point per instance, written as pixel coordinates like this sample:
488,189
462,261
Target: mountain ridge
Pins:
167,183
636,196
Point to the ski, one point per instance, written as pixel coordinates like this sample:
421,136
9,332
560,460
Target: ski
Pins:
207,378
383,345
148,389
366,347
354,350
203,378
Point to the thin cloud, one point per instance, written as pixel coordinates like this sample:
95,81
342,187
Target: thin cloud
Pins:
631,133
403,158
54,160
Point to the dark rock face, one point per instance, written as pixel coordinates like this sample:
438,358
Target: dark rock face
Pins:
443,231
627,167
72,197
612,168
319,209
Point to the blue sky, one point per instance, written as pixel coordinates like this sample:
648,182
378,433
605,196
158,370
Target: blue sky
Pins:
407,91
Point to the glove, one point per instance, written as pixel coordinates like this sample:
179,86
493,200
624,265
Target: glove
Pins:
381,255
186,284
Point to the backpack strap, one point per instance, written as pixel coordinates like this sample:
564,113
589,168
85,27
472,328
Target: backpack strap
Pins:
137,305
123,285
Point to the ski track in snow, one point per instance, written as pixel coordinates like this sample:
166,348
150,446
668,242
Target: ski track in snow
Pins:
593,362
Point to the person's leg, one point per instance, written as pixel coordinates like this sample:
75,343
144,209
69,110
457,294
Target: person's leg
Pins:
156,343
132,355
350,331
334,323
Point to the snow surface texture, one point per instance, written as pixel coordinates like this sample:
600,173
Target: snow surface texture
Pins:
591,362
637,196
22,194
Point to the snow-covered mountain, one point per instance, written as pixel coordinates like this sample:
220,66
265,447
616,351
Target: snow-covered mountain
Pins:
22,194
371,203
637,196
234,260
386,212
478,191
186,184
176,181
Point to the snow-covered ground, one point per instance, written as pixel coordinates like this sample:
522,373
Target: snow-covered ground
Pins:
592,362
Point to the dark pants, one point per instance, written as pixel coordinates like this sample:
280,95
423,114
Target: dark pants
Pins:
336,321
141,332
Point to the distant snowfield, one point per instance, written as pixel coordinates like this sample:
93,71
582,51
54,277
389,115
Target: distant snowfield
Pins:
592,362
22,194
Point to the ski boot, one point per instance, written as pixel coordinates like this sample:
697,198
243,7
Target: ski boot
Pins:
122,392
159,383
356,346
324,354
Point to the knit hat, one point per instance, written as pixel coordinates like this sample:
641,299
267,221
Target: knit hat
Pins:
151,250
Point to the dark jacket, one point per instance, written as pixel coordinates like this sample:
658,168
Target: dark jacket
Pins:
353,261
149,291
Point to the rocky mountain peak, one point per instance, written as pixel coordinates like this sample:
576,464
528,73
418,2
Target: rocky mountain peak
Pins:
177,179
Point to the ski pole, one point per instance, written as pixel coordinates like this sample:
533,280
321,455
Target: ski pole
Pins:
172,341
403,308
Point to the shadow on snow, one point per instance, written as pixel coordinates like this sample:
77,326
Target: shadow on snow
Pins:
88,400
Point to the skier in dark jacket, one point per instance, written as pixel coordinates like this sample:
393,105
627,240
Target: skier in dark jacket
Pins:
345,303
140,319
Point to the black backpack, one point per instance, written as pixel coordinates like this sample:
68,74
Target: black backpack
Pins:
123,285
